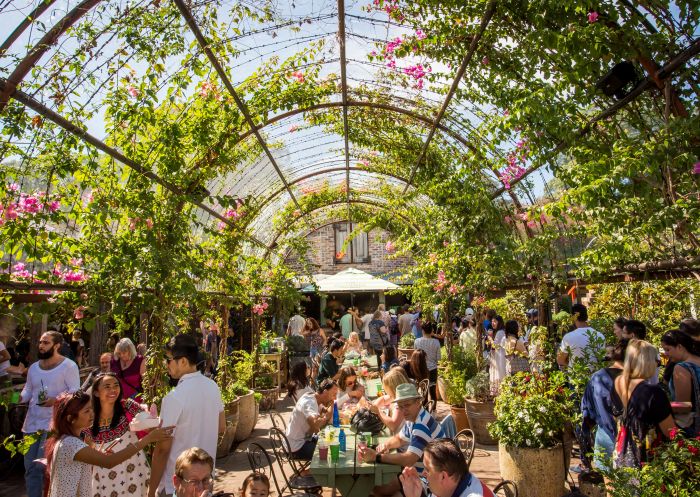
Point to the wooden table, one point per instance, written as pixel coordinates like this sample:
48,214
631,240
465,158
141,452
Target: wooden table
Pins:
339,474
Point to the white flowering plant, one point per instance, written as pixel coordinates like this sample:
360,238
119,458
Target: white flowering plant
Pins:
532,410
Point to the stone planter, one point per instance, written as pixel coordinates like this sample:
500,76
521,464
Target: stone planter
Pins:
536,472
269,398
480,414
459,414
441,389
248,416
226,440
592,484
407,352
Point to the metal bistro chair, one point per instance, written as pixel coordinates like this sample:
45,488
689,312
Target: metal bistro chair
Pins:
466,442
507,489
261,462
304,483
277,420
424,392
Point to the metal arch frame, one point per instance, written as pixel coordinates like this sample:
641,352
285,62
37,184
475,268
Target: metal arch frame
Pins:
344,93
378,205
490,9
83,135
324,171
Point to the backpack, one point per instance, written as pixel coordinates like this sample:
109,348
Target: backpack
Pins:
626,453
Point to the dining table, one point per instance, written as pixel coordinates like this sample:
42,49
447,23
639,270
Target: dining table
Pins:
369,361
349,475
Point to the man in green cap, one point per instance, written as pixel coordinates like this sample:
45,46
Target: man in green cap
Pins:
418,431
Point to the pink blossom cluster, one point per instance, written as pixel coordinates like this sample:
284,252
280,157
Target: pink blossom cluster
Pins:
442,283
260,308
514,171
20,272
593,16
207,89
391,7
232,214
27,205
298,76
134,222
418,72
133,91
390,247
78,312
696,168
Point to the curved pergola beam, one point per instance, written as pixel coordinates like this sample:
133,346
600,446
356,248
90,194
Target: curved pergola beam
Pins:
371,203
325,171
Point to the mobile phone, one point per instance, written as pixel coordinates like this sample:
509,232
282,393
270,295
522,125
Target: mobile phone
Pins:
112,445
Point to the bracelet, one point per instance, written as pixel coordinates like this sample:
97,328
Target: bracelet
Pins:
378,459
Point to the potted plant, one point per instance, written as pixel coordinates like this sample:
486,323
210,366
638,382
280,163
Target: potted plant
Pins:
479,406
456,370
244,372
406,345
231,400
263,385
531,413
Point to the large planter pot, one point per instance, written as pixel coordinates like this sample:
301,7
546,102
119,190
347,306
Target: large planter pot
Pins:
226,441
407,352
536,472
248,416
459,415
441,389
269,398
592,484
480,414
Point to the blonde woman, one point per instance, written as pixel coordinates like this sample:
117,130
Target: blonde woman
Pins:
646,411
392,379
353,344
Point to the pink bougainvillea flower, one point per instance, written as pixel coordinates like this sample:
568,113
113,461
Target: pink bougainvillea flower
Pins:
506,113
132,223
29,204
20,266
454,289
133,91
78,312
441,276
11,212
149,223
205,89
75,261
74,276
298,76
389,247
696,168
507,219
445,243
420,34
13,187
373,53
485,60
54,205
293,128
391,64
531,224
222,226
593,17
543,218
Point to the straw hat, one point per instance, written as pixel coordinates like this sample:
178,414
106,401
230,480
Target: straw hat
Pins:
406,391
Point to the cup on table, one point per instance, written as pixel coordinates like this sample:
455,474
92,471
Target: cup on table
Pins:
335,452
322,451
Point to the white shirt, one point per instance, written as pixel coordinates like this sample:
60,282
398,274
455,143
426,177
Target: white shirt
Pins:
4,364
431,346
575,342
63,378
365,324
193,407
296,324
70,478
298,425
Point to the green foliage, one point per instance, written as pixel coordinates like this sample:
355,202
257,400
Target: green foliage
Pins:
532,410
407,341
478,387
458,368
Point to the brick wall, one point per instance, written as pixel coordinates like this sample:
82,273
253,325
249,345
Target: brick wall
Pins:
322,254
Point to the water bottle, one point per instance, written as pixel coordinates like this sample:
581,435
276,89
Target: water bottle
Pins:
341,440
336,415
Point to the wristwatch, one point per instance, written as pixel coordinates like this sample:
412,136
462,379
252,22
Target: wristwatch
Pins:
378,459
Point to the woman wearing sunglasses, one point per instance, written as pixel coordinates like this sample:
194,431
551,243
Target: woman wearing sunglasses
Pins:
349,390
69,459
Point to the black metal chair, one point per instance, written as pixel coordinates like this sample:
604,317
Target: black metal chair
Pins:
424,392
466,442
277,420
298,481
507,489
261,462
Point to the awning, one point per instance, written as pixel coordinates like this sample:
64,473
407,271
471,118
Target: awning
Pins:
350,280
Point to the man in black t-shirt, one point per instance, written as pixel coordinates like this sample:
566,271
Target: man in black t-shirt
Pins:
329,364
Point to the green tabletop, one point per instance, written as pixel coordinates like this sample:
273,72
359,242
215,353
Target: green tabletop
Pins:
371,386
340,474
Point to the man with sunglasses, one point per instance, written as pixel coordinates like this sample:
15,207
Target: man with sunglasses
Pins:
193,407
418,431
193,473
308,417
445,474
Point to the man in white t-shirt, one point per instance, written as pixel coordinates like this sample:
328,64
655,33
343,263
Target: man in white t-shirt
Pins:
308,418
576,344
50,376
193,407
366,318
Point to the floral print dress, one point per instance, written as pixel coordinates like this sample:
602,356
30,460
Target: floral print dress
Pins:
130,477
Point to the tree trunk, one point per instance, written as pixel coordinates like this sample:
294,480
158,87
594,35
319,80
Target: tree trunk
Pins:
98,339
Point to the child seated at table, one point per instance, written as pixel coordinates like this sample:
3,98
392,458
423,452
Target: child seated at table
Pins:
353,344
255,485
349,390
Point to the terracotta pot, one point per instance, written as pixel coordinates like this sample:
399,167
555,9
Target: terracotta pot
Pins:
480,414
248,416
459,414
407,352
536,472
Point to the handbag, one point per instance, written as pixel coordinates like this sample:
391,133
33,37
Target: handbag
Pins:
365,421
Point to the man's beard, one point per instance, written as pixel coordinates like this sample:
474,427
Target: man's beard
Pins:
46,355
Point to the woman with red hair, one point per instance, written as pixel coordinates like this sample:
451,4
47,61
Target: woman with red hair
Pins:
70,459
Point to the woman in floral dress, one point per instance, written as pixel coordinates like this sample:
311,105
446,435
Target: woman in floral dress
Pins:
112,416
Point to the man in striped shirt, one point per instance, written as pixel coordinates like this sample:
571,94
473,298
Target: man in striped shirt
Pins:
419,430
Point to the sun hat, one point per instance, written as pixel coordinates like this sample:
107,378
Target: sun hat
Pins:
406,391
469,312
